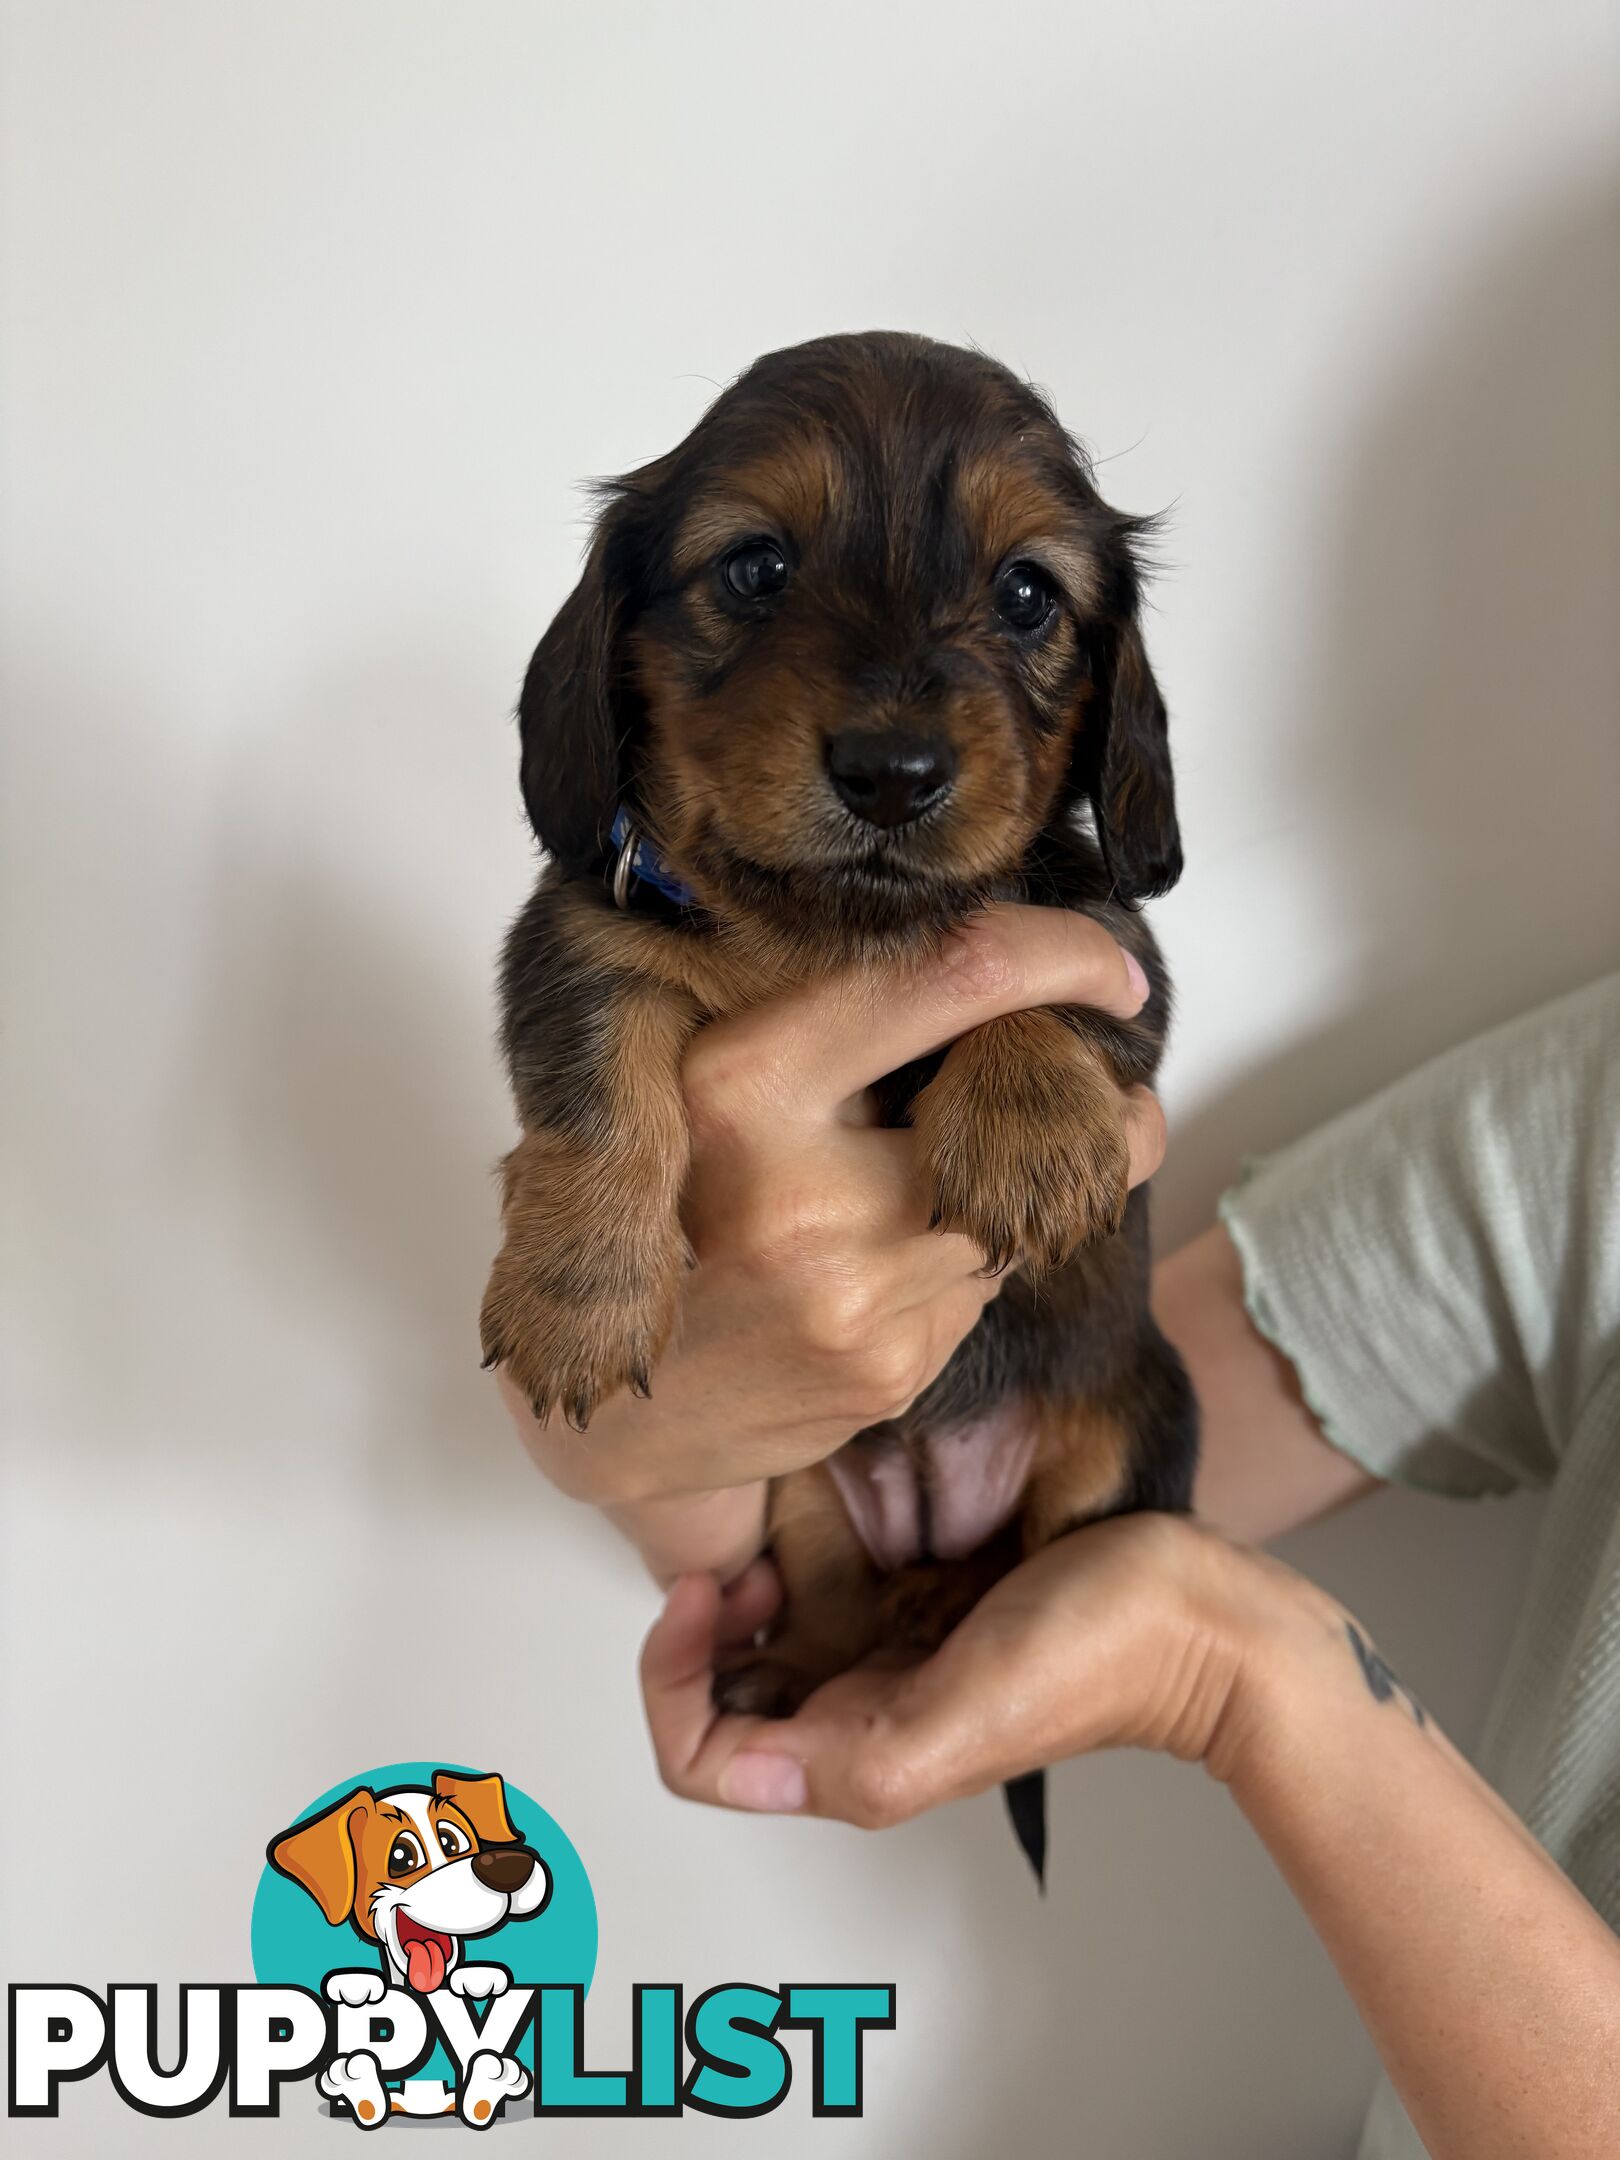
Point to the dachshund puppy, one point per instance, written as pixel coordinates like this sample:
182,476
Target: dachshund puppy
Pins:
853,660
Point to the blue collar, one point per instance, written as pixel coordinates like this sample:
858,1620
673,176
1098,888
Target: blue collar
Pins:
645,864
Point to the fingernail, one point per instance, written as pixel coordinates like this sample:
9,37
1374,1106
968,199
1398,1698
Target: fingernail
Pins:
774,1784
1136,975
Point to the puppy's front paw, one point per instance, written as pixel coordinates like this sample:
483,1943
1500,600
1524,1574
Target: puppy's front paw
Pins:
1027,1157
577,1309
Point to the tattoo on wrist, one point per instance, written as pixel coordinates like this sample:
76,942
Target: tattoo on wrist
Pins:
1382,1684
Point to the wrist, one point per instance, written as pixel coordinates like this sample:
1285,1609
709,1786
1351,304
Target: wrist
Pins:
1284,1642
711,1533
625,1459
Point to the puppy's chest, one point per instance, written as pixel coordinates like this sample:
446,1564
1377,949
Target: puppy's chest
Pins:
935,1495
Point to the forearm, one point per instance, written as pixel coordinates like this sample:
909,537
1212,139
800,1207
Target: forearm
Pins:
1489,1986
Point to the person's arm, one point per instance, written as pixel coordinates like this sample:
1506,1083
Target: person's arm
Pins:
1488,1984
1264,1465
820,1301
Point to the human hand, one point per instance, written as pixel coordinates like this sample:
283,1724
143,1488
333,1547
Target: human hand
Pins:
1489,1985
821,1301
1144,1631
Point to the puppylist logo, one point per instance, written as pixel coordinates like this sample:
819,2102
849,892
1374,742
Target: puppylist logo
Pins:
423,1941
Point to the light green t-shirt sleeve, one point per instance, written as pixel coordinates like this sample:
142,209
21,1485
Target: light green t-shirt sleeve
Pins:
1434,1264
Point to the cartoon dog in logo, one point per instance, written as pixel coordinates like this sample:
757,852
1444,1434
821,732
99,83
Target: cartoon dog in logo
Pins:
417,1872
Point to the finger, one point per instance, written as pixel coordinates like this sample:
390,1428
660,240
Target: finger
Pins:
749,1603
804,1057
677,1670
760,1764
853,1193
691,1740
680,1643
1145,1133
840,1756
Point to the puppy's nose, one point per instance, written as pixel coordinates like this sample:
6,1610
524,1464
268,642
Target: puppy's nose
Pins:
505,1867
889,777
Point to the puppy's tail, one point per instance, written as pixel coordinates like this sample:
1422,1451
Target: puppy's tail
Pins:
1026,1809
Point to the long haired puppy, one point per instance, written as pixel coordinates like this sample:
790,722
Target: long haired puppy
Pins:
861,654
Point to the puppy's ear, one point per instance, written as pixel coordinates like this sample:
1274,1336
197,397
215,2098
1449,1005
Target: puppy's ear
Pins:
318,1855
1123,761
575,716
483,1801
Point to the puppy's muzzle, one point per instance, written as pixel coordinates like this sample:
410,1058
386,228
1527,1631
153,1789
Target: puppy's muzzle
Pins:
503,1868
890,776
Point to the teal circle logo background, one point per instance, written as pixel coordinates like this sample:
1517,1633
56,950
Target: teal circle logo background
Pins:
293,1945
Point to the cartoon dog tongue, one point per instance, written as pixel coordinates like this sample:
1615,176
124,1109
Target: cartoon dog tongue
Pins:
424,1964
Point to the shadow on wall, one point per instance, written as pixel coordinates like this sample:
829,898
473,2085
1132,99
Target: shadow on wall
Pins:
349,1100
1457,706
1457,712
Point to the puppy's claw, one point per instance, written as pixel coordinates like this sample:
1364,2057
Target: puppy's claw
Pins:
566,1351
997,1259
579,1407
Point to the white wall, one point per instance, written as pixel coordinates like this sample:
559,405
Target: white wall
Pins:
313,317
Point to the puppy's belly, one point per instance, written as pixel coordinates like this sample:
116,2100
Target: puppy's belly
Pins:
935,1496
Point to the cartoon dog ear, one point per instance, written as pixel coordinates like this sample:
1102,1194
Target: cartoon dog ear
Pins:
318,1855
1123,761
483,1801
577,710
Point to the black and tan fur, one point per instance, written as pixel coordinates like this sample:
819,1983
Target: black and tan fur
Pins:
898,478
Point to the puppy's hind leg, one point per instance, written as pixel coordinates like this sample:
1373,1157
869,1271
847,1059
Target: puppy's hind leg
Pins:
830,1617
492,2080
922,1602
1135,1449
1132,1450
355,2082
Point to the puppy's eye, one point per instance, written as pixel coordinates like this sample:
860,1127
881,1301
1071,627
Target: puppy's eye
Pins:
1025,596
405,1855
755,571
453,1842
